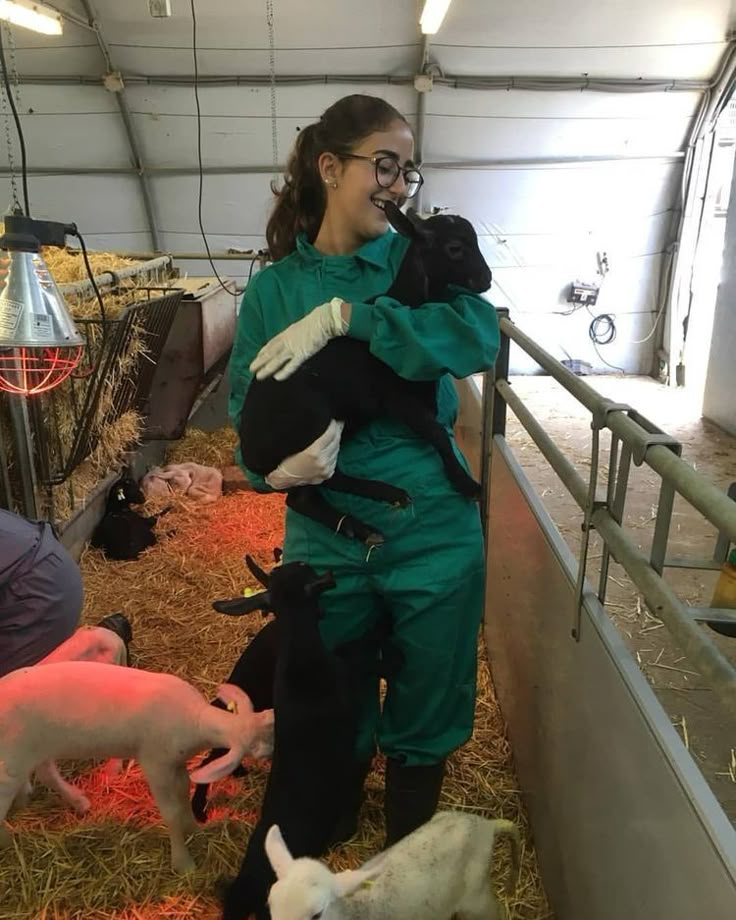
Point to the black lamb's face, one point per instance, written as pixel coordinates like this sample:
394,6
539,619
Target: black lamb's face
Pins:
293,583
456,254
451,254
125,492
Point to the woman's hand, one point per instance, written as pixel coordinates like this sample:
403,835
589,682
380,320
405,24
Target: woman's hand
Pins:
312,465
287,351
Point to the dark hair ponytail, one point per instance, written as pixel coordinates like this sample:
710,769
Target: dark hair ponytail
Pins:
300,203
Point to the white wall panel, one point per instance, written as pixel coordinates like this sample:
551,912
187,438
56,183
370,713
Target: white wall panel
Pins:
79,141
233,38
540,229
227,269
550,105
567,337
100,206
236,121
553,200
660,38
66,100
302,102
459,138
394,59
681,38
578,245
233,206
696,62
74,53
576,22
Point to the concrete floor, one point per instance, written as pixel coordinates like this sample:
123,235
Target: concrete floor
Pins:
708,732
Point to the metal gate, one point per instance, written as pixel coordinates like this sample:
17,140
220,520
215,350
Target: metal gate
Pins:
624,823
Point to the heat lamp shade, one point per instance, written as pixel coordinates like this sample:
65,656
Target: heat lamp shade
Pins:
33,313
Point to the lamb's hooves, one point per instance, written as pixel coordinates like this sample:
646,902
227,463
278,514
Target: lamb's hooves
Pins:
402,499
199,810
183,864
221,888
354,529
375,539
113,767
469,488
81,804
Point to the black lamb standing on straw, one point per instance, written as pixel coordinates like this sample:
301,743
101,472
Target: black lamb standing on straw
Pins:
315,730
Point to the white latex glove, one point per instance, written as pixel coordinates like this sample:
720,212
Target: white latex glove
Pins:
288,350
312,465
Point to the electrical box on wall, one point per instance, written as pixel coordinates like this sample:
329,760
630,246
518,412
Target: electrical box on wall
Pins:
584,294
159,9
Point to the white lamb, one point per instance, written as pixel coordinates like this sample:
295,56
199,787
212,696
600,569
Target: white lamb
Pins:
439,871
203,484
83,710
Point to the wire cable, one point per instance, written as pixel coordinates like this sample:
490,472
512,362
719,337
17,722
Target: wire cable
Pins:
602,331
85,256
199,151
21,139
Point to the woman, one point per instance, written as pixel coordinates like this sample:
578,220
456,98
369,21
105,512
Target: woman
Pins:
333,251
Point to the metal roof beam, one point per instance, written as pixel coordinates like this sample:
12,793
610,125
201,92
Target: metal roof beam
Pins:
499,163
128,126
539,82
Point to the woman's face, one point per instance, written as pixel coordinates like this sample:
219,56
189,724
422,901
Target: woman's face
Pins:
353,203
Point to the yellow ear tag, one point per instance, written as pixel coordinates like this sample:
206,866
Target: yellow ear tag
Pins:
232,706
249,592
368,883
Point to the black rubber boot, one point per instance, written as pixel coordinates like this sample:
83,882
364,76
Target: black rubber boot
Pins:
725,629
411,797
120,625
347,825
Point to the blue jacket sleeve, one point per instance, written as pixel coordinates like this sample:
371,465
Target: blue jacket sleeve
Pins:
460,337
249,337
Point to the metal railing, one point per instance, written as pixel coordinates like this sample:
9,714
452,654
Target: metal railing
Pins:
633,437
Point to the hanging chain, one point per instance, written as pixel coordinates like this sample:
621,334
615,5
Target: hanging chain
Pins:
15,203
14,66
272,76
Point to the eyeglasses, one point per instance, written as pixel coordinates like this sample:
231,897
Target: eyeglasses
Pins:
388,171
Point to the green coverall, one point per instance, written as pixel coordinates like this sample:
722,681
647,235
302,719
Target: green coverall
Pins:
429,574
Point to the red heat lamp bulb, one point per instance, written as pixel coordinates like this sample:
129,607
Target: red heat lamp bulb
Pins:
29,371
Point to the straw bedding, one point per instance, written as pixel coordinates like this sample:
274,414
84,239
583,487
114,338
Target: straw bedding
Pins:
114,863
117,437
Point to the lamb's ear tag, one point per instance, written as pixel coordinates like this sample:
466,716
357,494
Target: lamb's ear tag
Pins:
249,592
121,495
232,706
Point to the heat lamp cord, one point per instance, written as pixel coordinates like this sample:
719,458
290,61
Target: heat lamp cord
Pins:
199,151
21,139
82,246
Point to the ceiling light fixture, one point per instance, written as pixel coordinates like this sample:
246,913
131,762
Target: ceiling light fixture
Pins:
30,15
432,16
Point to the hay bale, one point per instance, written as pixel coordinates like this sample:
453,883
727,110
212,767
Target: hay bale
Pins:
60,501
67,267
210,448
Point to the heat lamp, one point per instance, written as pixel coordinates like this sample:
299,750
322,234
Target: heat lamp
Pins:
39,344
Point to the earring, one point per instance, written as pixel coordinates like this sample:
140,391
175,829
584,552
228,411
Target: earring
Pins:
331,182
